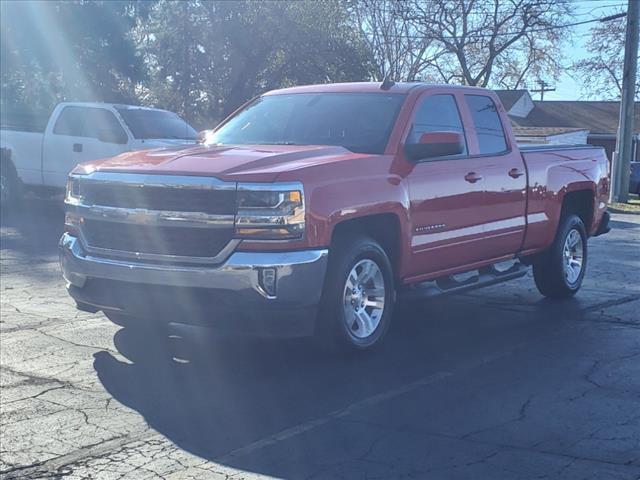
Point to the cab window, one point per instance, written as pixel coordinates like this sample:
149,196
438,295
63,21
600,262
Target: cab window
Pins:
102,124
70,122
437,113
487,122
89,123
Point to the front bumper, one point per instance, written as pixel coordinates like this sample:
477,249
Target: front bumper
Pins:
232,296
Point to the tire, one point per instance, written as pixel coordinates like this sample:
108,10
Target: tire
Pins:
559,271
10,187
358,295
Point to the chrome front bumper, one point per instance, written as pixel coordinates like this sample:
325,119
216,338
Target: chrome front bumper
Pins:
205,295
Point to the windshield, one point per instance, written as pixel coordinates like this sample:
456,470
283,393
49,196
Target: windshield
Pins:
360,122
146,124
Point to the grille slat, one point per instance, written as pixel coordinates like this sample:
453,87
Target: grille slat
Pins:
176,240
212,201
190,242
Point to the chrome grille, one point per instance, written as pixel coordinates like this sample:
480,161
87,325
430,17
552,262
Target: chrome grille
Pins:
126,237
216,202
157,217
159,192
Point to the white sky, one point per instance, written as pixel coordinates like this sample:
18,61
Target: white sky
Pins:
567,88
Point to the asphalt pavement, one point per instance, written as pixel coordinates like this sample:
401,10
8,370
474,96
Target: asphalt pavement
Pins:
497,383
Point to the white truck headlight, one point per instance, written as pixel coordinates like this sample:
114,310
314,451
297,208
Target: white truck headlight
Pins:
72,196
270,211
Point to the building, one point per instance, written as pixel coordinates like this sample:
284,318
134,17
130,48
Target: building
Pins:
577,122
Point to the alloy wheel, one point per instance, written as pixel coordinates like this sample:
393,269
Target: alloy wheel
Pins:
364,299
573,256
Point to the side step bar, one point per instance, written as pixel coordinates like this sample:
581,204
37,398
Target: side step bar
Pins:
484,277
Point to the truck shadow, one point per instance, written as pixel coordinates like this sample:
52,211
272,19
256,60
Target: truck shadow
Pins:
212,395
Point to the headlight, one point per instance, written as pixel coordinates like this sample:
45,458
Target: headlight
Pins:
72,197
270,211
72,220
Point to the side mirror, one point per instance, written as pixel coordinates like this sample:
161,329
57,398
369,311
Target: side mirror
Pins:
435,144
112,136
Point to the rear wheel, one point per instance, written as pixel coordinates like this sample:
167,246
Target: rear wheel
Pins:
358,296
559,271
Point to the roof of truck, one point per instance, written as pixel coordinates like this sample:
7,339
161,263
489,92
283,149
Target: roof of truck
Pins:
364,87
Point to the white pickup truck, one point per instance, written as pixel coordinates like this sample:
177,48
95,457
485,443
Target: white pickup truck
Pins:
76,133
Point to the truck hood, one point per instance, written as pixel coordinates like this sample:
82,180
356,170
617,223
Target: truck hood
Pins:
238,163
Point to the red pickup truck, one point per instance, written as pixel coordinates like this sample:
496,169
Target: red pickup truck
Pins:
311,210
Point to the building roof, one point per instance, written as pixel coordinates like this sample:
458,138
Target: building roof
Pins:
510,97
597,117
545,131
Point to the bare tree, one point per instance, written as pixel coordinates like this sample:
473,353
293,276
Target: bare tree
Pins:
398,50
602,70
510,39
535,57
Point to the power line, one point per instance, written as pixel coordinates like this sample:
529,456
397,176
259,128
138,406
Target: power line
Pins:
535,30
592,11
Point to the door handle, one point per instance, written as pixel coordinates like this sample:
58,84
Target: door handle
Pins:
472,177
515,173
77,147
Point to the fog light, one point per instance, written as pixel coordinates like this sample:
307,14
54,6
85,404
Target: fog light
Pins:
268,278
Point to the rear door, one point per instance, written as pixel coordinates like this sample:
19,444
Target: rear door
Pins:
504,176
445,194
75,138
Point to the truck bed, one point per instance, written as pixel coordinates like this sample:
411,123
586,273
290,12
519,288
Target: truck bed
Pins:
553,171
550,147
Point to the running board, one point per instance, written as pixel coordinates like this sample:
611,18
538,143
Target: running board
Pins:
483,277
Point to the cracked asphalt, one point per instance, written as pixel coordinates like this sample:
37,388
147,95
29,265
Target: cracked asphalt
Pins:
497,383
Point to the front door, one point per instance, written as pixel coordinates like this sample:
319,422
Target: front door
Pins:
445,195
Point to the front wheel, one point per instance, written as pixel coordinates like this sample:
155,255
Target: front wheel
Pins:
359,293
559,271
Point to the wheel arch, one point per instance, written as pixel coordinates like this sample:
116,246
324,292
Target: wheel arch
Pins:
382,227
10,174
6,161
7,164
582,203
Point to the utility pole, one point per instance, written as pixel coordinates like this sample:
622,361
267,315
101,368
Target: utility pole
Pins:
543,88
624,143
